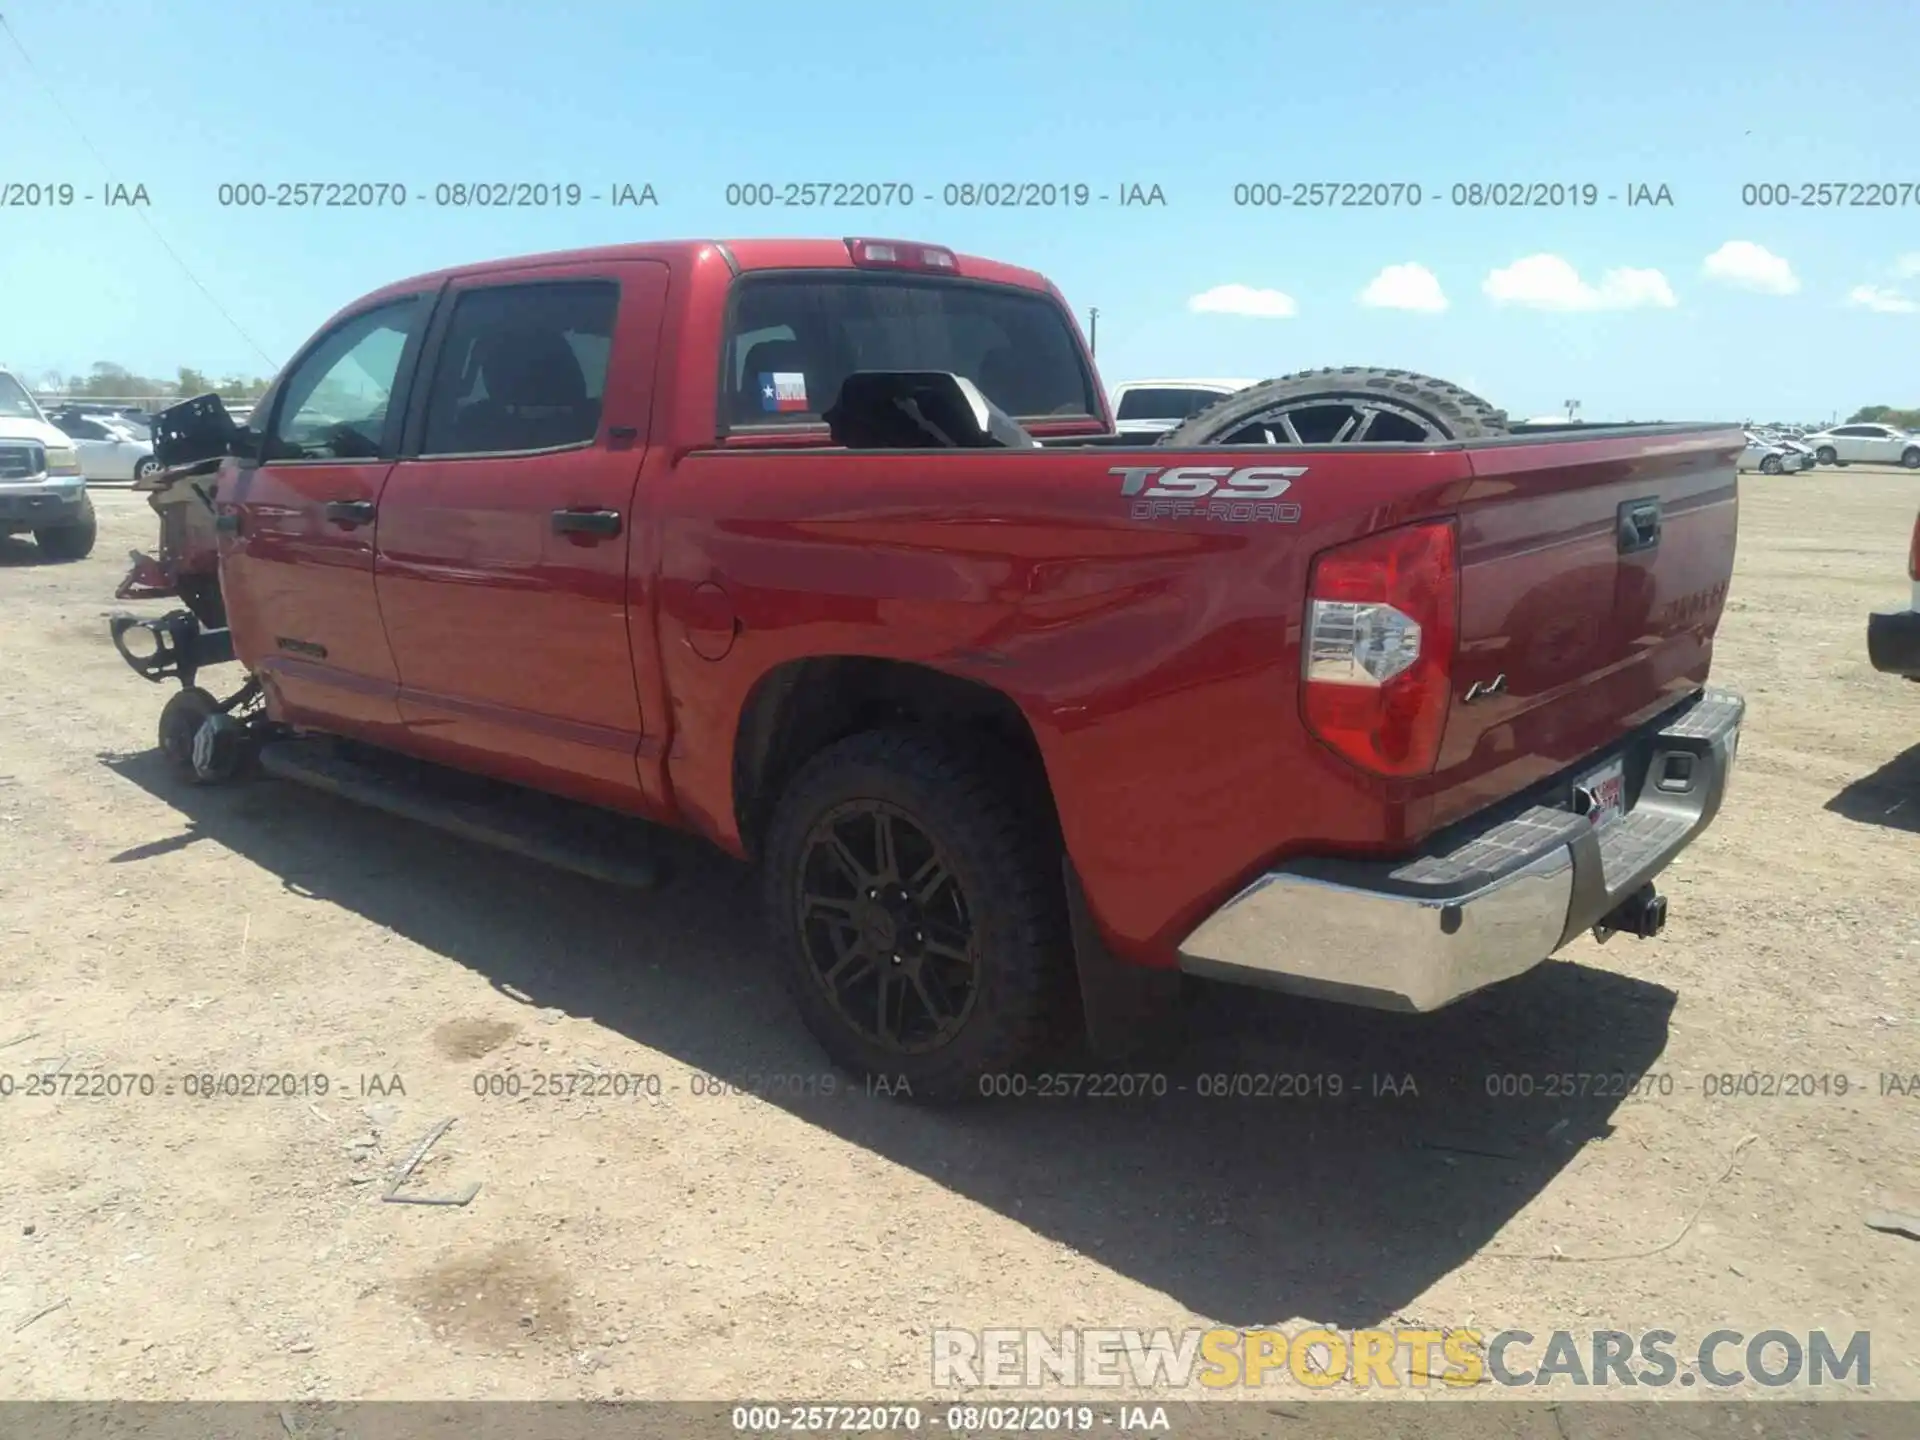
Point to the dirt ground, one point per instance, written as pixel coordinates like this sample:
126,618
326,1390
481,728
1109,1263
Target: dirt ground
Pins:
701,1231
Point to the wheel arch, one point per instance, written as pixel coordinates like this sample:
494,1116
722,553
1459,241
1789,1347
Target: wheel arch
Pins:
800,707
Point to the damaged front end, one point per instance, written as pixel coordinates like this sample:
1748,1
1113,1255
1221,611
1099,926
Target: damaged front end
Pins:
204,738
192,441
176,646
187,565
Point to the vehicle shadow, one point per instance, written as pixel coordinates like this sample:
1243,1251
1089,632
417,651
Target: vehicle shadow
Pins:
1890,796
20,550
1339,1207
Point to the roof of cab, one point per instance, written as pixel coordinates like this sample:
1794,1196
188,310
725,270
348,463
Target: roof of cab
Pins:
761,254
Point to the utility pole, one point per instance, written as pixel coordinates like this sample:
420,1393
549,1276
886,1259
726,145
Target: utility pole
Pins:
1093,332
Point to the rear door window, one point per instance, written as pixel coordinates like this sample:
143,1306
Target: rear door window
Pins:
523,368
793,339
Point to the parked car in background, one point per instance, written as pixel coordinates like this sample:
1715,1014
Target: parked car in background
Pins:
108,452
1866,445
1153,407
42,491
137,423
1893,637
1788,442
1770,457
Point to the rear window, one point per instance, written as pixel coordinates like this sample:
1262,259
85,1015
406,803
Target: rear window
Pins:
1169,403
793,339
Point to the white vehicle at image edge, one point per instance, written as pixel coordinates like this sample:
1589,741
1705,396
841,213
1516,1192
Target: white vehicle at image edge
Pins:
109,451
42,491
1866,445
1771,457
1153,407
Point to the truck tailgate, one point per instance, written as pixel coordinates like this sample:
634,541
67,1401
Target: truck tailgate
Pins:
1593,574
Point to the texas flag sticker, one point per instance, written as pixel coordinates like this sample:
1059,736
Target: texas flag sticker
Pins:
783,390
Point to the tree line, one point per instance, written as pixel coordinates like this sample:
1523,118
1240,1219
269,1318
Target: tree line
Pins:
1885,415
108,381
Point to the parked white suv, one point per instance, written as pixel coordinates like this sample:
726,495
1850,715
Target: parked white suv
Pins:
1866,445
1153,407
42,491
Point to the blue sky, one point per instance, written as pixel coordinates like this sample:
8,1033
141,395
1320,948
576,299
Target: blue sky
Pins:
1702,97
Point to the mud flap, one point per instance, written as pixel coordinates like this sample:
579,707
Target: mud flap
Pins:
1129,1010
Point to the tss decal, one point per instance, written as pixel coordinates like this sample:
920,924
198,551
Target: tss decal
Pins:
1210,492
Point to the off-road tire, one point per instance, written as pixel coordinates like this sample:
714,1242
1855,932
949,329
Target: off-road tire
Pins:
180,721
1458,414
1007,867
72,541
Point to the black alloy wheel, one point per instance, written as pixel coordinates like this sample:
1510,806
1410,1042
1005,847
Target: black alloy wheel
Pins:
886,929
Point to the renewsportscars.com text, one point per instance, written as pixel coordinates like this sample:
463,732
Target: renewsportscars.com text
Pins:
1389,1359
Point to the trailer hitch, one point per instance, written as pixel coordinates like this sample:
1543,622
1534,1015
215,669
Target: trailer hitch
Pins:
1642,914
175,646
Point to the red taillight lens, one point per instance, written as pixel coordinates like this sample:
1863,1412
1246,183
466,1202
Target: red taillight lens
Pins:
1913,553
1382,617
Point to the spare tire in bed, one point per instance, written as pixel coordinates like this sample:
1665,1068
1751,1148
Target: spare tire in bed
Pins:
1347,405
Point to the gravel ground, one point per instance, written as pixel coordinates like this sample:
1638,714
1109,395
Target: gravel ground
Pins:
697,1229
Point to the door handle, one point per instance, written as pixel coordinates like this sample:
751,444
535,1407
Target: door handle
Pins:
1638,526
349,512
586,522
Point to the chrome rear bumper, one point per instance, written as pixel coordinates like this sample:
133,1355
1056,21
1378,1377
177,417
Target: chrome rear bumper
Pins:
1487,900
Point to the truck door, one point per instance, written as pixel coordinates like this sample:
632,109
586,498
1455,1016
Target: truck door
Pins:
298,574
504,529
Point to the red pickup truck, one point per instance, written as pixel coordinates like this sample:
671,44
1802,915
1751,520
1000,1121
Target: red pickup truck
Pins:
826,551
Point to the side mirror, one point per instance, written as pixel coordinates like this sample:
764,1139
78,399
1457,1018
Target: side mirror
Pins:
193,430
919,410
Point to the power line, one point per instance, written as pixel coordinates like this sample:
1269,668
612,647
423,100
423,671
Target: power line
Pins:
107,169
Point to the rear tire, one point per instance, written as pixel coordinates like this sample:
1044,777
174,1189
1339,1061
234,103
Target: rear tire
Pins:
1411,409
946,989
180,723
1770,465
73,541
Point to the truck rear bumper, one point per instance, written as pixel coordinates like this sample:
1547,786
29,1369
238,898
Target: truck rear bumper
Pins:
1486,900
1893,642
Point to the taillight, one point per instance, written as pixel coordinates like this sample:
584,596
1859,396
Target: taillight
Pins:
1382,615
902,255
1913,553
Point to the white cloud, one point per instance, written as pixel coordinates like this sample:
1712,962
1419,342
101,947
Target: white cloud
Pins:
1405,287
1547,282
1907,266
1752,267
1244,300
1882,298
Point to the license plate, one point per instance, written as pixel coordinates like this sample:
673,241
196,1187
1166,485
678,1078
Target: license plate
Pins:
1605,790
